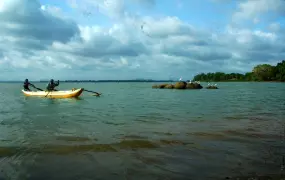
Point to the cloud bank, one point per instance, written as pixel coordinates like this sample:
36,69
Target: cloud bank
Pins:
68,41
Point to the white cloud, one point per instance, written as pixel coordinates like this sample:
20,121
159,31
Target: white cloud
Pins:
275,27
253,9
42,40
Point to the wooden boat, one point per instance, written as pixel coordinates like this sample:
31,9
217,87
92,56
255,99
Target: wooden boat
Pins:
55,94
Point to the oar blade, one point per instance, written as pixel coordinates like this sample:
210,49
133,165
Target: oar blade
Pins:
95,93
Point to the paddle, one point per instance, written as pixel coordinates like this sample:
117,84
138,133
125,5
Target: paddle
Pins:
47,94
97,94
37,88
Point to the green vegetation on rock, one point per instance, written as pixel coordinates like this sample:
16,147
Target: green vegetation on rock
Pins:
262,72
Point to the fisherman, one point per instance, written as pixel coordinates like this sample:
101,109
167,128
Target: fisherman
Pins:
51,85
27,84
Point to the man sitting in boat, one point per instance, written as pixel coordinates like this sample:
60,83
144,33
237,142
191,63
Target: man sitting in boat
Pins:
27,84
51,85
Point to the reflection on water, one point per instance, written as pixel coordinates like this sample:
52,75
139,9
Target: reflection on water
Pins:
53,100
141,133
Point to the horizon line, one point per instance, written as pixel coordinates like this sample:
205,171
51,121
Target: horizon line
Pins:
100,80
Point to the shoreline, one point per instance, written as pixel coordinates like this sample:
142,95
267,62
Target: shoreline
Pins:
248,81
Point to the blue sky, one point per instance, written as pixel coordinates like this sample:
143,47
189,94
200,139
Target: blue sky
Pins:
103,39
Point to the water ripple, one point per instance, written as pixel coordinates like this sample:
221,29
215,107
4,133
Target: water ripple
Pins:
136,132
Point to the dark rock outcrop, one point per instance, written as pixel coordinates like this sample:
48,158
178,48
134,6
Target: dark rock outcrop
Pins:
161,86
169,86
193,86
179,85
212,87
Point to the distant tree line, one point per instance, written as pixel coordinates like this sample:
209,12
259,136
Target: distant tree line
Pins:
262,72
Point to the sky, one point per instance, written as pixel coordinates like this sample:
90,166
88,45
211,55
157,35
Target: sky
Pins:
129,39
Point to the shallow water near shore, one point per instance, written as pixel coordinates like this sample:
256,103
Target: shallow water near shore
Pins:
135,132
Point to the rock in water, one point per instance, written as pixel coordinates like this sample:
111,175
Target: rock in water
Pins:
161,86
155,86
212,87
193,86
180,85
169,86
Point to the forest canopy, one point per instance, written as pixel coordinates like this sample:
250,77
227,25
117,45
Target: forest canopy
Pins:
262,72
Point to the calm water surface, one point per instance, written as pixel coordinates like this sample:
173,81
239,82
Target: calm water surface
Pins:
135,132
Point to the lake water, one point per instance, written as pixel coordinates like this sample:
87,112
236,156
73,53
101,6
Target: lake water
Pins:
135,132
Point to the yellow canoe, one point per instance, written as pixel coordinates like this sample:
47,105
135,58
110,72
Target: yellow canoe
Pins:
55,94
